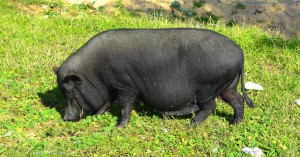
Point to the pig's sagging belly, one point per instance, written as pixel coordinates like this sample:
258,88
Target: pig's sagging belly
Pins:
167,97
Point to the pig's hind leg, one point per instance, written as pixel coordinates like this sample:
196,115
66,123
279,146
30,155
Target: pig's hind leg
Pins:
232,97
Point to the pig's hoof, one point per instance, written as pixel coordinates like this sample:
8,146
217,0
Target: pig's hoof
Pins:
236,121
122,125
195,122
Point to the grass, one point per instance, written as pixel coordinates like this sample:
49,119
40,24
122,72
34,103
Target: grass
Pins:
31,106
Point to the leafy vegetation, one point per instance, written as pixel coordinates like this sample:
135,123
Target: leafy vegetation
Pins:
31,106
180,12
199,3
240,5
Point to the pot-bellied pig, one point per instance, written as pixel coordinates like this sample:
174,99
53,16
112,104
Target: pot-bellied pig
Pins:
163,68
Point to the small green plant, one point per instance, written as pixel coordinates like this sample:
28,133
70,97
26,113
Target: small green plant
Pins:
199,3
100,8
208,17
157,12
85,6
54,8
175,5
120,6
231,23
51,12
53,5
181,13
240,5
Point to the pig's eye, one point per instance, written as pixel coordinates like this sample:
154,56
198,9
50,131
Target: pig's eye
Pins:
72,79
70,83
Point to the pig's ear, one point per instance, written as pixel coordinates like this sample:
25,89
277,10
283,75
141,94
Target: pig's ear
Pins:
54,68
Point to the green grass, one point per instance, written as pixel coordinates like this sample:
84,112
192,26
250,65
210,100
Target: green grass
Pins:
31,105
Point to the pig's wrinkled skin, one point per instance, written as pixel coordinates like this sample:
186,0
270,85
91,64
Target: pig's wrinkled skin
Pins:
164,68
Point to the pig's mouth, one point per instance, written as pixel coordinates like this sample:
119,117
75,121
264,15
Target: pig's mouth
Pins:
73,111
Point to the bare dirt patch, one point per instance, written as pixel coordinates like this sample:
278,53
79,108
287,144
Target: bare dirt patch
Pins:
280,16
31,9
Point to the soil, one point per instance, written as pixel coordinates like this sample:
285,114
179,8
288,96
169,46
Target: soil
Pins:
282,16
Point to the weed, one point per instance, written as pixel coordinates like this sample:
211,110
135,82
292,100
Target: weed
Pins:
208,17
120,6
231,23
198,4
100,8
157,13
240,5
181,13
85,6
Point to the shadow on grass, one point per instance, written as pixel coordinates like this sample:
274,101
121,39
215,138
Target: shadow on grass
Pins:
227,116
54,99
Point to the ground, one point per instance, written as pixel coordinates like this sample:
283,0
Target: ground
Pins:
281,16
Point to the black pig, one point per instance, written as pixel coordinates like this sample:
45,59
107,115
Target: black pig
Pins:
164,68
